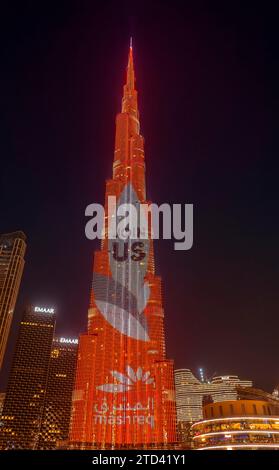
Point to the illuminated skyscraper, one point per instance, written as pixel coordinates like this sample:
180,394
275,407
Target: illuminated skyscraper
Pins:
25,395
12,251
124,392
58,398
191,392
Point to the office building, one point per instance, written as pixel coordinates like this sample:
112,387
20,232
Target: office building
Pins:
58,397
25,394
12,251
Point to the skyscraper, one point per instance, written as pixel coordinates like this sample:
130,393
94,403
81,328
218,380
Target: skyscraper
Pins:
25,395
12,251
224,387
124,392
192,394
58,397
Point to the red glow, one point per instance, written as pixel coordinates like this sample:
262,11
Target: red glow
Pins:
124,391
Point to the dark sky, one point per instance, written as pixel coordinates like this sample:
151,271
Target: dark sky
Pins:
207,76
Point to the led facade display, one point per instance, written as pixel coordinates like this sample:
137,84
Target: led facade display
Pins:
124,391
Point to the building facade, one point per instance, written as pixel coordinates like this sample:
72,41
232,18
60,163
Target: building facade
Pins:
25,395
59,390
251,393
237,425
225,387
124,392
12,251
192,394
2,398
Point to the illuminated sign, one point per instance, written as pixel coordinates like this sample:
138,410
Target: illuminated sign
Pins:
108,411
44,310
68,340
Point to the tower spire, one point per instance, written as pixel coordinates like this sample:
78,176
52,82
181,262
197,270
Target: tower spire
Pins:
130,82
129,100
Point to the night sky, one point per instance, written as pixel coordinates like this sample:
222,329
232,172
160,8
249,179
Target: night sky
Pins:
207,77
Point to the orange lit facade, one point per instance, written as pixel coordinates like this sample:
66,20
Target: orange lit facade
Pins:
237,425
124,392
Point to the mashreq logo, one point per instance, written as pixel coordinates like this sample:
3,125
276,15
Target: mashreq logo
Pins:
127,382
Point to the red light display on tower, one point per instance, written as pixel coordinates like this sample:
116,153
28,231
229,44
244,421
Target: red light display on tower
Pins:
124,391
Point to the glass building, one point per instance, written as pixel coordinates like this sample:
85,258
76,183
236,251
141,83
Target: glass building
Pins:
58,397
191,392
12,251
25,395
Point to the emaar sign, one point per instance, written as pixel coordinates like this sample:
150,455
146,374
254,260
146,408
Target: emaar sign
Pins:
44,310
68,340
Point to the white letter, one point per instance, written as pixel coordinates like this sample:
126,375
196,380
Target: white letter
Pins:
177,229
90,231
155,211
